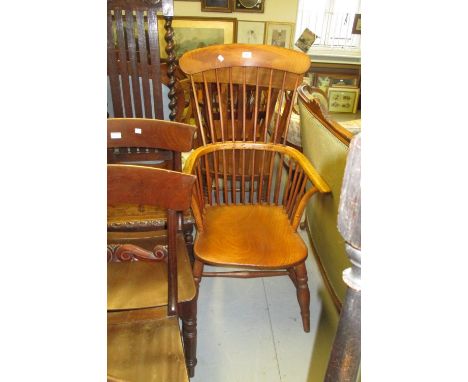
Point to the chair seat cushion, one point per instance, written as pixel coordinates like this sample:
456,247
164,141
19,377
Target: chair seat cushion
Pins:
249,235
134,217
143,284
147,350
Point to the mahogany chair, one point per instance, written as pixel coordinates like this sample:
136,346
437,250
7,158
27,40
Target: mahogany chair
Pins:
133,58
146,292
243,92
154,143
254,224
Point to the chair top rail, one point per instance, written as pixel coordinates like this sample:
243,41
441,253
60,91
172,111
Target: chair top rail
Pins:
151,133
137,185
244,55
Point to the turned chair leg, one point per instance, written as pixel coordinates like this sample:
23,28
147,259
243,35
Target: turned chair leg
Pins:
303,295
189,334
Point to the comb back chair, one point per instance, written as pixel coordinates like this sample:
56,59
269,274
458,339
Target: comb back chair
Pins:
146,297
254,224
243,92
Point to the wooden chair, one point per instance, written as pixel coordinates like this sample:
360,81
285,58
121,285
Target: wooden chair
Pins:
252,225
133,58
152,143
145,295
237,88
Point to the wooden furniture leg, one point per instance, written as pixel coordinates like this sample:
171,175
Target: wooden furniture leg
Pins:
303,295
188,313
197,273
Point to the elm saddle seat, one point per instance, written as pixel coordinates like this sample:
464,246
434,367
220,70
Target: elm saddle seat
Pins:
147,291
153,143
254,224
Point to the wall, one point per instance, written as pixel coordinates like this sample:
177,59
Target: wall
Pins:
275,10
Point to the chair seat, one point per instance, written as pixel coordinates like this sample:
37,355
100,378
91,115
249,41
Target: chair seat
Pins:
137,284
133,217
146,350
249,236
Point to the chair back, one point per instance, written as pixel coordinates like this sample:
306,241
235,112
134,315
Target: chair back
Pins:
326,145
156,187
133,57
148,142
243,92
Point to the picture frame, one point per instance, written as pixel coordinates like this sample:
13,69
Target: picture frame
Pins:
250,6
217,6
250,32
305,40
357,24
279,34
197,32
343,100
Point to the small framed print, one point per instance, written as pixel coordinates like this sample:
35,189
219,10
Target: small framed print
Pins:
216,6
342,100
254,6
250,32
357,24
279,34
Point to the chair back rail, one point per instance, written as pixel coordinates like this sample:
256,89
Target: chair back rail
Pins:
133,58
137,185
243,92
252,173
148,142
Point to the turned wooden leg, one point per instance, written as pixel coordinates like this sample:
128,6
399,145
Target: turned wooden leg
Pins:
292,276
189,334
303,295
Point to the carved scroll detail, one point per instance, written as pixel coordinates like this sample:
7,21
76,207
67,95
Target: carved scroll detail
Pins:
128,252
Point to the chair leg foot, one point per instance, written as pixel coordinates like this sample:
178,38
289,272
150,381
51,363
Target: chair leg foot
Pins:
303,295
189,334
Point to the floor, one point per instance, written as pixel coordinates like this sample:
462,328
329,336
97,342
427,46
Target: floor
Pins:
250,330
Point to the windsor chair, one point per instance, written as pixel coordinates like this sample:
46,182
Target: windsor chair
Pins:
146,297
252,225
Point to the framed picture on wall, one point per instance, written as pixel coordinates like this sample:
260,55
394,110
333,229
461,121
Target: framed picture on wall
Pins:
357,24
196,32
216,6
254,6
279,34
250,32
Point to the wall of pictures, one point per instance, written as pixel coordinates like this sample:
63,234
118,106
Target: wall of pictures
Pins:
275,10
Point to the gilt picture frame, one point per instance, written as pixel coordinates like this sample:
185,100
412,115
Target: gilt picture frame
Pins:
197,32
279,34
